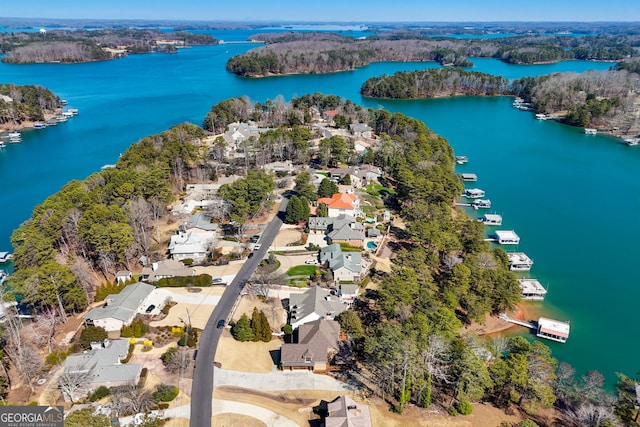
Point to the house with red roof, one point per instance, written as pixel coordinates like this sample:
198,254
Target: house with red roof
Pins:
342,204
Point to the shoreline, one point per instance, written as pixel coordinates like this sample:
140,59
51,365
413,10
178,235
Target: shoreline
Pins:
493,325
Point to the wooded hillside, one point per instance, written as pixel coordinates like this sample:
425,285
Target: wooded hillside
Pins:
26,103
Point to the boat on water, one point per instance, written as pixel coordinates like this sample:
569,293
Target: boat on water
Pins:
461,160
39,125
2,144
5,257
67,114
631,141
481,204
51,122
61,119
14,134
72,111
541,116
469,177
590,131
473,193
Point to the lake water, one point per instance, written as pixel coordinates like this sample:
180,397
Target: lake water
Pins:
571,197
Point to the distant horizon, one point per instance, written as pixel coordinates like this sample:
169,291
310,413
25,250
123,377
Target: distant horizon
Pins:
332,11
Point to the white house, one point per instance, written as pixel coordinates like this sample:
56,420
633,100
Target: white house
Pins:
101,366
120,309
191,245
345,266
316,303
342,204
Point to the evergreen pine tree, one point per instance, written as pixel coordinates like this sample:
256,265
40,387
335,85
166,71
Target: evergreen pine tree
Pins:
327,188
242,330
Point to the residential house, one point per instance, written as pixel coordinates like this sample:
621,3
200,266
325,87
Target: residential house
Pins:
101,366
361,130
123,276
345,266
373,233
344,233
165,269
330,115
342,204
120,309
316,303
200,221
348,293
345,412
338,174
282,167
318,347
191,245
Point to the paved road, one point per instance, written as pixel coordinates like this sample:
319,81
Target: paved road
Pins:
202,388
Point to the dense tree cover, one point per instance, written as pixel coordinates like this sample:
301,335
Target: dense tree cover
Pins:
92,334
103,222
632,66
247,195
602,99
434,83
83,45
26,103
324,54
297,210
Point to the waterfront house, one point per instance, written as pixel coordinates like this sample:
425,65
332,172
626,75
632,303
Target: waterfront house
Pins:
318,347
554,330
345,412
316,303
100,366
361,130
120,309
532,290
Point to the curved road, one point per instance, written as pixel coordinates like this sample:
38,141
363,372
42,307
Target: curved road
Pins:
202,388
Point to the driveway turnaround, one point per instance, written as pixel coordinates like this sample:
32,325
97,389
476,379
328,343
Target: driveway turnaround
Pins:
278,380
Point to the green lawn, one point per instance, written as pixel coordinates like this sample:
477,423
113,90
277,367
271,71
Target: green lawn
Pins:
301,270
377,189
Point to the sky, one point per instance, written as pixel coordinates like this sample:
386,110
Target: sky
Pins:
329,10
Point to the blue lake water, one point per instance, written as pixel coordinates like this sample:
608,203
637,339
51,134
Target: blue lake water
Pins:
571,197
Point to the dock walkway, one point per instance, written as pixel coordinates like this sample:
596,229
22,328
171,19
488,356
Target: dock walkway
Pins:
506,318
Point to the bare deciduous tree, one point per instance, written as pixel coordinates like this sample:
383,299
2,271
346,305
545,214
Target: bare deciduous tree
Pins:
73,381
486,260
180,361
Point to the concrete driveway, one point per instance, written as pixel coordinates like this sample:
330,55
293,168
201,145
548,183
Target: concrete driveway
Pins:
278,380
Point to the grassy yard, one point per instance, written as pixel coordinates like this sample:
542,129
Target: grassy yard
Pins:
301,270
377,189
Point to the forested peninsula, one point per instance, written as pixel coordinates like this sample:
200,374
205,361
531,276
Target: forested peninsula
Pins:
29,103
69,46
311,53
407,333
605,100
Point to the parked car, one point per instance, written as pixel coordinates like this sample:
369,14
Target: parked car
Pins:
150,308
257,246
217,280
311,261
254,238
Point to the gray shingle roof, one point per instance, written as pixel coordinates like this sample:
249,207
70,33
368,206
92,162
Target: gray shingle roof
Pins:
315,300
121,306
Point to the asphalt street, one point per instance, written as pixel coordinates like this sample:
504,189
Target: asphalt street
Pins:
202,388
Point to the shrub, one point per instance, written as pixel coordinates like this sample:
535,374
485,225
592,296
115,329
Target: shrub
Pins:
165,393
129,354
167,356
99,393
202,281
56,357
464,407
105,290
242,331
92,334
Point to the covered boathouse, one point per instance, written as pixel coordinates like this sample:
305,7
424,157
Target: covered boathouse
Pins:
554,330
